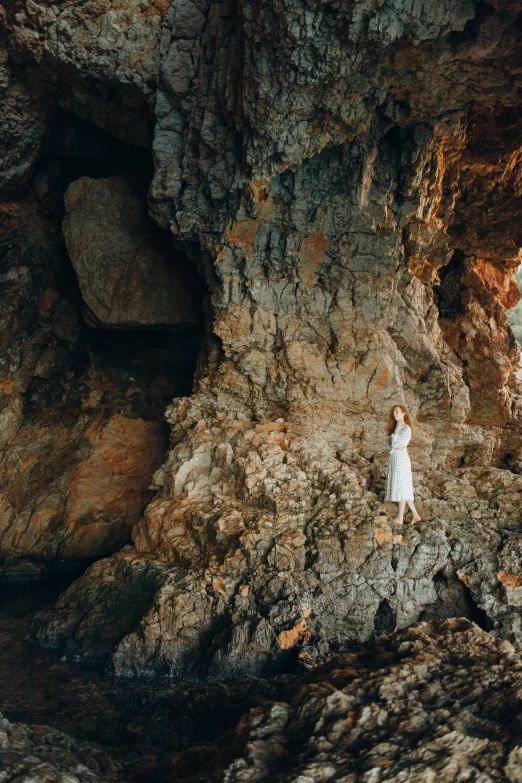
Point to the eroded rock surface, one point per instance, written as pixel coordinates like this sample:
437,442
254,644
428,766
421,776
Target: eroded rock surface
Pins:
347,179
250,586
438,701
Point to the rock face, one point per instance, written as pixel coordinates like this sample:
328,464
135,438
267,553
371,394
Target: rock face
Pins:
346,177
426,704
43,753
91,507
125,269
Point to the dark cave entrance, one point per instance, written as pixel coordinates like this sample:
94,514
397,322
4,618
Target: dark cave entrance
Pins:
455,599
448,292
85,385
385,619
145,366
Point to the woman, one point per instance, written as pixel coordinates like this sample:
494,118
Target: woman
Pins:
399,484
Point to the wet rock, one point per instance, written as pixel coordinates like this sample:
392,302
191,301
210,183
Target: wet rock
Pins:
438,698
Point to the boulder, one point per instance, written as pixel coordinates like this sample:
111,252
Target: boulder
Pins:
128,271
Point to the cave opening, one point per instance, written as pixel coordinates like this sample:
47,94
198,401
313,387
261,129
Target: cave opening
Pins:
454,599
385,619
475,613
145,365
448,292
103,324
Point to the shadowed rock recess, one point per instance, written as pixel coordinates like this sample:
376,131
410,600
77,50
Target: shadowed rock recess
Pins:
345,178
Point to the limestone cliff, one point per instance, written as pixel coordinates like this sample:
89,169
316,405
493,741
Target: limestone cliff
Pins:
344,178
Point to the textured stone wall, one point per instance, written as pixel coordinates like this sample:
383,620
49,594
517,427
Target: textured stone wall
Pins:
346,179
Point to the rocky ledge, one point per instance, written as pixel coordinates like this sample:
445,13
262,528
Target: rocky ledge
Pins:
225,587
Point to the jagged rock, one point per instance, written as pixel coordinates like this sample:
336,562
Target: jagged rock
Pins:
307,562
437,701
30,754
25,114
94,53
128,272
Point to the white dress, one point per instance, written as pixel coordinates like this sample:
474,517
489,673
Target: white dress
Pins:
399,483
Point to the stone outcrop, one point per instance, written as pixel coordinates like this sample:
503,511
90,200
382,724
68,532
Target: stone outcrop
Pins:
346,177
35,753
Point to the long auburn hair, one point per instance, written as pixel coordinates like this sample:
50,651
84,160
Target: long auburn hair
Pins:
390,427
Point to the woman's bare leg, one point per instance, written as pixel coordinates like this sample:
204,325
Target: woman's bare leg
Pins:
399,519
416,515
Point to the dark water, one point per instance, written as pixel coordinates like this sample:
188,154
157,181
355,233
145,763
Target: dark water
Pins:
21,599
141,724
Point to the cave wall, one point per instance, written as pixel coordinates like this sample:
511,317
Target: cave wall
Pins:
82,419
64,487
83,397
346,179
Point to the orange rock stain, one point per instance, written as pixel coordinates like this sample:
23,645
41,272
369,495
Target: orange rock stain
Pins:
314,248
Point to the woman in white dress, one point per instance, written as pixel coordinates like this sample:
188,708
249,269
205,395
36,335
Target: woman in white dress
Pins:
399,484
